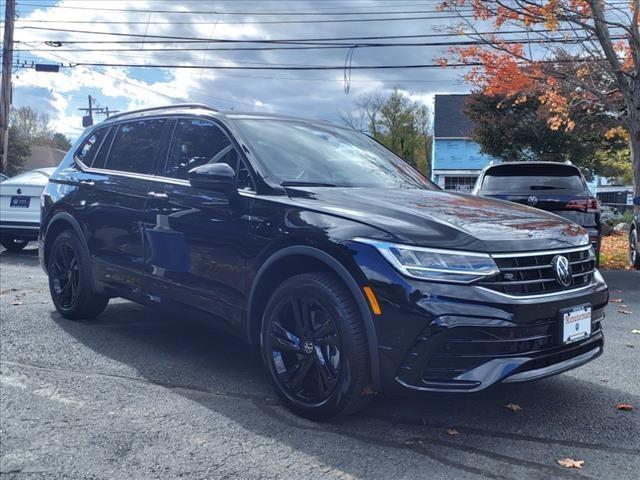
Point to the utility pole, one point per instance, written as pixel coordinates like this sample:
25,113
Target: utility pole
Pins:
94,107
5,92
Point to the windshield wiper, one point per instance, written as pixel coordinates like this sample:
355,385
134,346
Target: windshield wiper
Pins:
542,187
295,183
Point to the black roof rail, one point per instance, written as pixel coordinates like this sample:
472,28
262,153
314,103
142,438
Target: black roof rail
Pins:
166,107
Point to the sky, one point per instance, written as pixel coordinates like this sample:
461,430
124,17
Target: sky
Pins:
316,94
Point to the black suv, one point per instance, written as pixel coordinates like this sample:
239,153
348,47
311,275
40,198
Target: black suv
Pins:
352,272
556,187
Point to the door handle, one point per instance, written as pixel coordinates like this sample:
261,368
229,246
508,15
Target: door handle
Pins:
158,195
87,182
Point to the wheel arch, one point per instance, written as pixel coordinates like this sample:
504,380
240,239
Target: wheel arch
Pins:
300,259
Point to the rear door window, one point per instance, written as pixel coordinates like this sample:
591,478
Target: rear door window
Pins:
527,178
135,146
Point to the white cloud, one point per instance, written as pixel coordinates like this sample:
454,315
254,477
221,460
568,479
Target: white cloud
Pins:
309,93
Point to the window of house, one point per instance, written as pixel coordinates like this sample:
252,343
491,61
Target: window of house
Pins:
460,183
135,145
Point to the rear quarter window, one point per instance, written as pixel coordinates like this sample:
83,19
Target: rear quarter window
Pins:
89,149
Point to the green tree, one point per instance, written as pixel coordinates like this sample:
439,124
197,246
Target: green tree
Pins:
61,141
31,125
513,129
396,121
18,152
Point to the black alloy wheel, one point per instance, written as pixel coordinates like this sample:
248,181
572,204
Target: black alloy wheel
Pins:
70,282
634,249
305,349
314,346
65,275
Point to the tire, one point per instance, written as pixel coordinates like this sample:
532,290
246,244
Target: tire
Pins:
13,244
314,346
70,279
634,249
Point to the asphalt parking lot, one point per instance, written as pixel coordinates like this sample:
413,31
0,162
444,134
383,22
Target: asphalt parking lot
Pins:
142,395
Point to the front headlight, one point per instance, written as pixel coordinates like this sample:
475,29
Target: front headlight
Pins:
435,264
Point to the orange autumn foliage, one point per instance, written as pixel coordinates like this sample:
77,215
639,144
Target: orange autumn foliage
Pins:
501,68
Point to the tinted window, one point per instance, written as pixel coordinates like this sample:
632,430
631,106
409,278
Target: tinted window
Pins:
292,151
195,143
527,178
89,148
134,147
101,158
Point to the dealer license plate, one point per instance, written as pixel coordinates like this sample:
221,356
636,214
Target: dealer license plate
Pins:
576,323
20,202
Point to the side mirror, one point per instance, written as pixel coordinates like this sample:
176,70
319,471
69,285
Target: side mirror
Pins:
218,177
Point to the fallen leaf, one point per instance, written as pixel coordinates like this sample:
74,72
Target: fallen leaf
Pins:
636,331
616,300
368,390
624,406
604,380
630,345
452,431
624,312
514,407
571,463
16,302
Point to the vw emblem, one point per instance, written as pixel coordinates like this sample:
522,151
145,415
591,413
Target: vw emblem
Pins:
532,200
562,270
308,347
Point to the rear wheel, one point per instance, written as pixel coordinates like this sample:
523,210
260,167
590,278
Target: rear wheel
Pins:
314,346
634,249
70,279
14,244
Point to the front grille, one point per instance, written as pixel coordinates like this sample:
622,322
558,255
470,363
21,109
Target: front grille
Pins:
526,274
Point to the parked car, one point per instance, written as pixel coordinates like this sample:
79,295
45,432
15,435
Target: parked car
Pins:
634,238
20,208
350,270
556,187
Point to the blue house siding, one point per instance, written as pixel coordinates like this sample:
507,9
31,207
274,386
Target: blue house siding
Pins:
458,154
457,163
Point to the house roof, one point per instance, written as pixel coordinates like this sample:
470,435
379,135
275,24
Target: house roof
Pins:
43,156
449,117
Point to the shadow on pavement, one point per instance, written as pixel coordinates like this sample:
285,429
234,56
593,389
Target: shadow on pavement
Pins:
563,413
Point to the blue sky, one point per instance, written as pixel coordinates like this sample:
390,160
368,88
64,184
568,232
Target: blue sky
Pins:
319,94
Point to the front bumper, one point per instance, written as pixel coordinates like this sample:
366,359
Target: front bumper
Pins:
460,338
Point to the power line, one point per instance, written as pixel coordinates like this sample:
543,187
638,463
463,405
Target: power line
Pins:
223,12
521,41
290,41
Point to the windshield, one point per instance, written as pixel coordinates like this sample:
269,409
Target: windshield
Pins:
301,153
533,178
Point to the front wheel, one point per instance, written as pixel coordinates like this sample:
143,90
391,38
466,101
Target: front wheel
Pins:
315,348
14,244
70,279
634,249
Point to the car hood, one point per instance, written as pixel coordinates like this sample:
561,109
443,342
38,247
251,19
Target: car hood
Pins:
437,218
